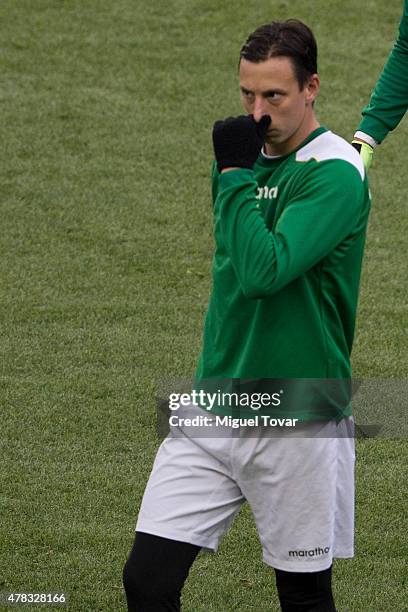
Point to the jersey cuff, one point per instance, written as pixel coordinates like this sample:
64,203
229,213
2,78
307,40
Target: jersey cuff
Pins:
234,177
366,138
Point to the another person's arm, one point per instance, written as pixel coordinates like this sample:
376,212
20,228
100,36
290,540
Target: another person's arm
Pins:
389,99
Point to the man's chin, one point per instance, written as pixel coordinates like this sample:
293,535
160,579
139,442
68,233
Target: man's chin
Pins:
272,135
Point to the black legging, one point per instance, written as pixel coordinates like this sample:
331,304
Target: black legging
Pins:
305,591
157,568
155,572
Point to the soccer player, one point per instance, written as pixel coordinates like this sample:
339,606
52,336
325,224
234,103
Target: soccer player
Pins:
291,204
389,100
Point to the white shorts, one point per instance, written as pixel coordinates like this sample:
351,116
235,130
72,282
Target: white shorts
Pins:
300,490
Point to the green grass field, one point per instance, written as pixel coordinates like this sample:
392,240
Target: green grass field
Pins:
105,252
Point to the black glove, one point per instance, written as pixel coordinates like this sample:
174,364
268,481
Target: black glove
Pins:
238,141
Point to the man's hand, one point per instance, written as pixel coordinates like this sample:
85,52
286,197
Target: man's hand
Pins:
238,141
366,152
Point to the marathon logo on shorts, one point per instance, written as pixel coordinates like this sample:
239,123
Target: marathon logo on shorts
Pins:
314,552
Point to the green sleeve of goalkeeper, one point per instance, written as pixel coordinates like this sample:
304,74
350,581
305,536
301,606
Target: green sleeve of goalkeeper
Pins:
389,100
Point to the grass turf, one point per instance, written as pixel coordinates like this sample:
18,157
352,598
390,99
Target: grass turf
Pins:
106,245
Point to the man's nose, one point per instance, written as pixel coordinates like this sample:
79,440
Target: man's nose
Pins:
259,109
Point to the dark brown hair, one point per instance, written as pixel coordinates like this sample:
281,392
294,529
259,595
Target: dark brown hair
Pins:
291,38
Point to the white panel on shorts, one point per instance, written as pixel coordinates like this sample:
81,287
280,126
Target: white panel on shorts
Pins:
300,489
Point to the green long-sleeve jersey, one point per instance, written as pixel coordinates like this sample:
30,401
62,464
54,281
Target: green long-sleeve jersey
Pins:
289,238
389,100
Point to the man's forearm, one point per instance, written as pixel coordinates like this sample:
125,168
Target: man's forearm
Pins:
389,100
264,259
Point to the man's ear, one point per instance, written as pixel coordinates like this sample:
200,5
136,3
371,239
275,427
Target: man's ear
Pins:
312,88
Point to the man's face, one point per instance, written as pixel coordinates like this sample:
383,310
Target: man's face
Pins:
271,88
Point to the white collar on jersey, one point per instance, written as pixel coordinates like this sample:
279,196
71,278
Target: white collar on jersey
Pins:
266,156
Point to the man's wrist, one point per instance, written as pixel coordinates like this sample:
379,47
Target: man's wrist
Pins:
365,138
229,169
